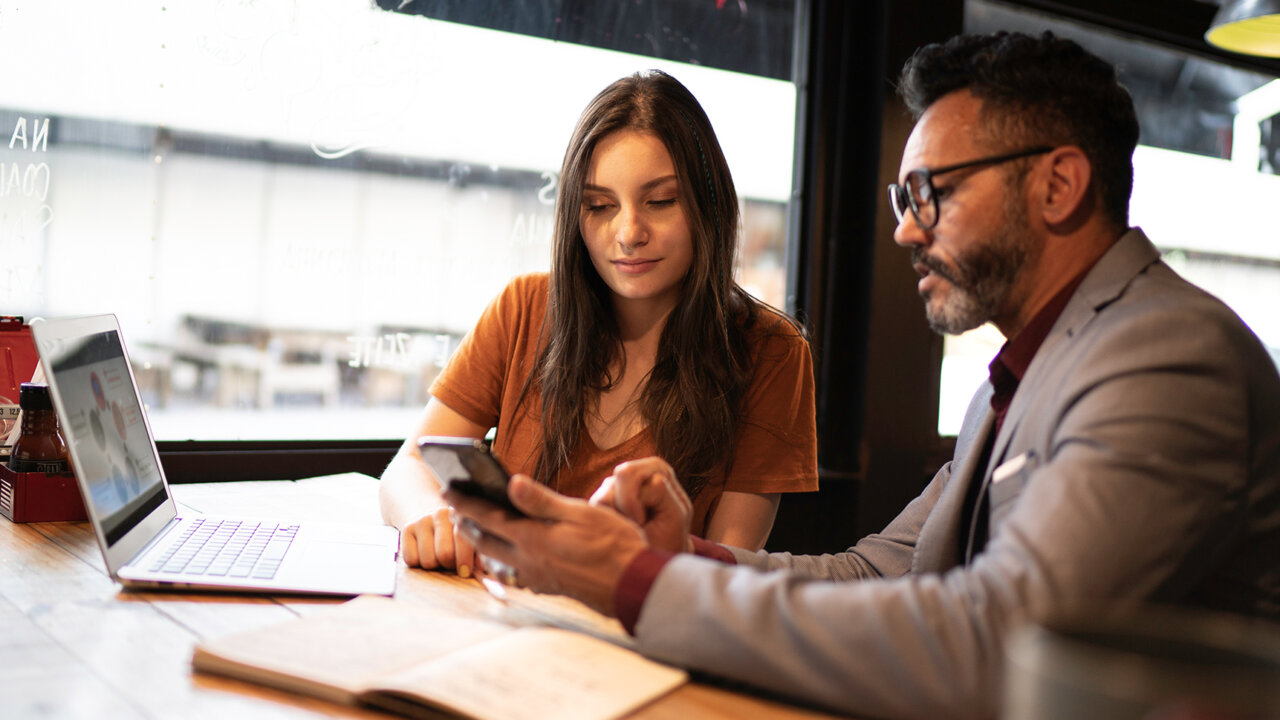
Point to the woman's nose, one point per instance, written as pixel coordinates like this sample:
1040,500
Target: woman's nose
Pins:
631,232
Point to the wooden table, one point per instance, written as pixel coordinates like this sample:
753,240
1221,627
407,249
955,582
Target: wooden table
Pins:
73,644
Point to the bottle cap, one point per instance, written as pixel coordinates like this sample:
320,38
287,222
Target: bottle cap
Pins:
35,396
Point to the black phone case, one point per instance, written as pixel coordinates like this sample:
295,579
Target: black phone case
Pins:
466,465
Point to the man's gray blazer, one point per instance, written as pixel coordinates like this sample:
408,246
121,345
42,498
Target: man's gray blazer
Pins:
1139,462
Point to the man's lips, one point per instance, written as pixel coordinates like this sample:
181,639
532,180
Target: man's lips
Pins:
926,266
931,272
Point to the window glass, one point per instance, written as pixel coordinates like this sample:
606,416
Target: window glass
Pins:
1204,172
298,209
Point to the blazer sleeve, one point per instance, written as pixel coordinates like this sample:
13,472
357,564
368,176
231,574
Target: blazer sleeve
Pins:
885,554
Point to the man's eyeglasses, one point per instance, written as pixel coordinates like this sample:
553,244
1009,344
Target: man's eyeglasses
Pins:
917,194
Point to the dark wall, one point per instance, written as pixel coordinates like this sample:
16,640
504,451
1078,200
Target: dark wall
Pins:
877,363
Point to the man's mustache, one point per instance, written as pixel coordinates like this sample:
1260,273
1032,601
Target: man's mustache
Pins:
918,257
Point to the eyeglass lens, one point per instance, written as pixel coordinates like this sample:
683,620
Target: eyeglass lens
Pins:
920,192
915,196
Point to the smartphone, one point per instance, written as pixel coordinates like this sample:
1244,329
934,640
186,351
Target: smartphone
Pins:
466,465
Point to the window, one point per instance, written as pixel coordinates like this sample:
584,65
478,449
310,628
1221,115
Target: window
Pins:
298,209
1205,173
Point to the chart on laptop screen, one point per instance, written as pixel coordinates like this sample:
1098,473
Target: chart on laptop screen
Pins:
111,447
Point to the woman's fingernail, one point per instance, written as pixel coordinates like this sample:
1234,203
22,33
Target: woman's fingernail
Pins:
464,571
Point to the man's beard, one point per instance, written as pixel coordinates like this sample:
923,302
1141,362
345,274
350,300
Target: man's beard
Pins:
982,278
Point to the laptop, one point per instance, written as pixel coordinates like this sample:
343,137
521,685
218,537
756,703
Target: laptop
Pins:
146,540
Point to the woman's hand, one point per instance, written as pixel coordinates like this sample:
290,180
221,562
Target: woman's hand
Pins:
409,496
647,492
432,541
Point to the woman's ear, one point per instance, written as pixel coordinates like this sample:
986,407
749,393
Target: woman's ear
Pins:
1067,185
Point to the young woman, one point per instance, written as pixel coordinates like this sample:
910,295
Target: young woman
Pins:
637,343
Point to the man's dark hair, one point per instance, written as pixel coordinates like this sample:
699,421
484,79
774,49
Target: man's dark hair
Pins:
1042,90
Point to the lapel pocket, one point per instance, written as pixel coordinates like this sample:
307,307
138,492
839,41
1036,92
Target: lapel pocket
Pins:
1006,485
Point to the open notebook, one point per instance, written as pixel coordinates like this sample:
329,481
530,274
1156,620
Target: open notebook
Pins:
145,541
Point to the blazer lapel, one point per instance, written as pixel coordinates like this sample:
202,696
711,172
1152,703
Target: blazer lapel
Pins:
938,547
1130,255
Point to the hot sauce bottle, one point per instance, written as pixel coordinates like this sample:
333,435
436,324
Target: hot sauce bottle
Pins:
39,447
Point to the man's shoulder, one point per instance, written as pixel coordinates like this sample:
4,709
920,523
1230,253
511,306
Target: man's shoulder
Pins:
1159,295
1161,321
1131,286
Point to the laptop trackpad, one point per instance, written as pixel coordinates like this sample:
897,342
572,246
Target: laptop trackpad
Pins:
333,553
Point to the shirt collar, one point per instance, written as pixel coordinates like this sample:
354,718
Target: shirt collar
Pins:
1017,353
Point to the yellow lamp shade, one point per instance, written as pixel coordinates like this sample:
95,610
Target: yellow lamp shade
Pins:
1251,27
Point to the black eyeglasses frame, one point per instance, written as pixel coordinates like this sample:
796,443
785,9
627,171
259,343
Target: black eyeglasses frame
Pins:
901,199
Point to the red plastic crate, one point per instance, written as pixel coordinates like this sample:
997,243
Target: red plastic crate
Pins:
39,497
18,360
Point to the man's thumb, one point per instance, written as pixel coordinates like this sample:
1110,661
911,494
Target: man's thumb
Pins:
535,499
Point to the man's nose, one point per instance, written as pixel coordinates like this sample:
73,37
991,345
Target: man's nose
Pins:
908,232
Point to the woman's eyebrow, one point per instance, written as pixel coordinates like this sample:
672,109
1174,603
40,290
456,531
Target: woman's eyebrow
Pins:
649,185
659,181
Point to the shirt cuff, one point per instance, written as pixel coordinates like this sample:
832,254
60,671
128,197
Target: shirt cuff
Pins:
634,585
640,574
707,549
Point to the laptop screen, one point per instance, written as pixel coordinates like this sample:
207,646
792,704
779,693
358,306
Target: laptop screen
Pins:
107,432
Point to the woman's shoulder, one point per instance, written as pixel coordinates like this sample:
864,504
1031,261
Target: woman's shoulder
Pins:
774,337
766,324
527,291
530,283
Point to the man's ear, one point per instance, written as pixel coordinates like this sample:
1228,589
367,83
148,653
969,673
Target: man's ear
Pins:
1067,189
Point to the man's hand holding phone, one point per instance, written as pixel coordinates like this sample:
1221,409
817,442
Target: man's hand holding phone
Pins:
466,466
557,544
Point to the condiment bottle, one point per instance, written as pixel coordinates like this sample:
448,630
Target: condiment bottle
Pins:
39,447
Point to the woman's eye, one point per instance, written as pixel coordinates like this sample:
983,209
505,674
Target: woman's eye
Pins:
665,202
595,207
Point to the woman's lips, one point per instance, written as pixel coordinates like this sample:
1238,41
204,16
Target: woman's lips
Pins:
632,266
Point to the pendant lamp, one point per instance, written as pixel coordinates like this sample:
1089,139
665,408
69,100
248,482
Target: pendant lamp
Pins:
1251,27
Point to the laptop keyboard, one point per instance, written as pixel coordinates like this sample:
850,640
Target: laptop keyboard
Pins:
228,548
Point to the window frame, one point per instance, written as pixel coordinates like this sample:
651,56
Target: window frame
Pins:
190,461
874,355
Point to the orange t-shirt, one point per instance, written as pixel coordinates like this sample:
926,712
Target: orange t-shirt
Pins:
777,446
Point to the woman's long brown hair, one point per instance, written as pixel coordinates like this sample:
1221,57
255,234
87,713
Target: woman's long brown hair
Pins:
693,395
